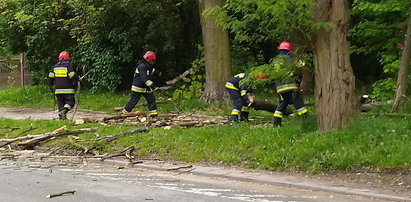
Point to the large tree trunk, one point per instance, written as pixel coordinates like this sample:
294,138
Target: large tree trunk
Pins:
217,54
403,72
334,79
307,83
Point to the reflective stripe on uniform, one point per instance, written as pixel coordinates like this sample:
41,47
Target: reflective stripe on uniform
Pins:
138,89
302,111
241,75
152,112
278,114
243,92
245,109
235,112
230,86
67,106
286,87
71,74
60,72
51,75
138,72
64,91
149,83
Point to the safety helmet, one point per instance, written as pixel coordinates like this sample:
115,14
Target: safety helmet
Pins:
150,55
285,46
64,55
260,76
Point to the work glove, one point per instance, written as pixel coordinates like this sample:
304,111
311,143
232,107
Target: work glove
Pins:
250,102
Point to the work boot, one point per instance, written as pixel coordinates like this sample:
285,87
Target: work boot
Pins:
233,119
154,117
277,121
63,114
244,116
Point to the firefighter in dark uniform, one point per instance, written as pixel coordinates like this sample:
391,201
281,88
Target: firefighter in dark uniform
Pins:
239,95
63,80
288,92
143,85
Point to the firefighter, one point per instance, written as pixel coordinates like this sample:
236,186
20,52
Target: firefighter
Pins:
288,93
239,95
63,81
143,85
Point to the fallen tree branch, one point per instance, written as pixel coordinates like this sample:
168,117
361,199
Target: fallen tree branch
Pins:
123,116
181,167
28,130
116,136
77,94
127,152
178,78
111,138
60,194
4,142
59,133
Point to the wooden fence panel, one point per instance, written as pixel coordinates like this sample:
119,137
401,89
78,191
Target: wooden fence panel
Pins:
11,74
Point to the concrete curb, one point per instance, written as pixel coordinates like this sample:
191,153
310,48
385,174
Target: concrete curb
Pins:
255,177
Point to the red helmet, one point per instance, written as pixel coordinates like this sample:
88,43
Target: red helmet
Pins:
64,55
150,55
261,76
285,46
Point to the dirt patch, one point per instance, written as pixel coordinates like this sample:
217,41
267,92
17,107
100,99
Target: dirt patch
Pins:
46,114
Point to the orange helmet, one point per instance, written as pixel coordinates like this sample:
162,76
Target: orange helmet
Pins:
150,55
64,55
285,46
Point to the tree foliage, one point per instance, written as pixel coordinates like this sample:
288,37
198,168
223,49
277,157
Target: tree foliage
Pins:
109,36
378,32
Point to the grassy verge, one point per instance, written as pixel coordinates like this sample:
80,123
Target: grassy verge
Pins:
40,97
368,144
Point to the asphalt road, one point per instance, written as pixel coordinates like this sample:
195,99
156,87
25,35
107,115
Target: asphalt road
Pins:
23,181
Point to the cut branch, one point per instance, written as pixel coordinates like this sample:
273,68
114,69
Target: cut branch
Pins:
123,116
111,138
178,78
127,152
60,194
181,167
58,133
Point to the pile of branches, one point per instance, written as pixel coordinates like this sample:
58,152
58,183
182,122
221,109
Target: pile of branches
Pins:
171,120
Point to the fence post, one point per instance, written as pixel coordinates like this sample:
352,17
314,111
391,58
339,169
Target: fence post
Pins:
22,67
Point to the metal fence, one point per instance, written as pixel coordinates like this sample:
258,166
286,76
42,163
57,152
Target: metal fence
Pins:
13,73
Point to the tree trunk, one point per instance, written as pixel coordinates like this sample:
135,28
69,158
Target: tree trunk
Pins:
217,54
403,72
334,79
307,83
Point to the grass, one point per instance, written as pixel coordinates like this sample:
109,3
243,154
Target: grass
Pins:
370,143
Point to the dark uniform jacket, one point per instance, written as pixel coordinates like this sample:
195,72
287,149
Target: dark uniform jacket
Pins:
63,77
234,84
143,78
292,79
